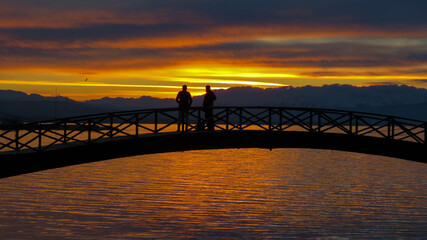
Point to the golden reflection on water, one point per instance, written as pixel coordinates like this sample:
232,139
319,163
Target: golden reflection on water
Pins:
246,193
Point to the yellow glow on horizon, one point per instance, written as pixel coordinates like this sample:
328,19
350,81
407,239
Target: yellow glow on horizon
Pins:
233,82
160,91
88,84
167,81
122,94
235,76
236,72
222,76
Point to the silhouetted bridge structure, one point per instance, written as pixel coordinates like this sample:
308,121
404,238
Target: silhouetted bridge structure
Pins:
31,147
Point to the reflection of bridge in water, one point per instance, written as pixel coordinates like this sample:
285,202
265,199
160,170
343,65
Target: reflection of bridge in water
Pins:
38,146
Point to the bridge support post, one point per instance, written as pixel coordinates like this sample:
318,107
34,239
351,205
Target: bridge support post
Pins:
390,127
311,121
16,139
136,125
156,120
425,134
40,138
89,130
227,113
111,126
356,125
240,119
65,132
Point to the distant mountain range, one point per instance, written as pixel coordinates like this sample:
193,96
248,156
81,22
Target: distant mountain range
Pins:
397,100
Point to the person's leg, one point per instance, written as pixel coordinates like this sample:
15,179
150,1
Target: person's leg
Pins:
186,119
180,120
209,118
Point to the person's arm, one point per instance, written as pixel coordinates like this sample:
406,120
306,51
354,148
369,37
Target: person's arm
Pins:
178,97
191,99
205,98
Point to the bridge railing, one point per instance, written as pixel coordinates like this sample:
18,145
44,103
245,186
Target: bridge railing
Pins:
90,129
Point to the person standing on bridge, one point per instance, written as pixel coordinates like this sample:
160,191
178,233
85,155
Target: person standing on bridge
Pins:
208,107
184,100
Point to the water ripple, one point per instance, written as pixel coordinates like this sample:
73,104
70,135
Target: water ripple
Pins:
221,194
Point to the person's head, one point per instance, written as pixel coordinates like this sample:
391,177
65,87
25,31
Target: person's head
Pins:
208,88
184,87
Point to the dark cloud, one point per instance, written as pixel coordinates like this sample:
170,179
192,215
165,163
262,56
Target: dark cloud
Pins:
84,58
420,56
106,32
231,26
340,54
415,70
423,81
366,12
377,14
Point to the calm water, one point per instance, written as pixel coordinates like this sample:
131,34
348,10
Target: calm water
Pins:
221,194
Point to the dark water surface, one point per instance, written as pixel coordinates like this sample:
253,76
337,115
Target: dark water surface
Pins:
221,194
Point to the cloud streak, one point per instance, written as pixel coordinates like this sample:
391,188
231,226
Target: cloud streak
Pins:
255,53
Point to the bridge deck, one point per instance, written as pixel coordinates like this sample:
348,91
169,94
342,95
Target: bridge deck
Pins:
62,142
24,162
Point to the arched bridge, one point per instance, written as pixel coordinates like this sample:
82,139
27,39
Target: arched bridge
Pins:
29,147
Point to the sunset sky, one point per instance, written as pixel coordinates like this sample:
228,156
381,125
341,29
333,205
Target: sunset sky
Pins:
86,49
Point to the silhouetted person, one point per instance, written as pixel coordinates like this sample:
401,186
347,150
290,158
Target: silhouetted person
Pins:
208,107
184,100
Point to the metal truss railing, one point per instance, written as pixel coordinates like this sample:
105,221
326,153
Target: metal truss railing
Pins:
90,129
